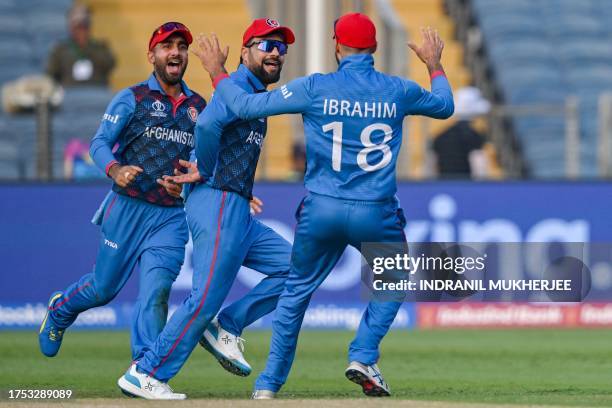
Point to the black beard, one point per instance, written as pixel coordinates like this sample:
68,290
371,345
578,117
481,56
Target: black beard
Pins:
160,71
266,78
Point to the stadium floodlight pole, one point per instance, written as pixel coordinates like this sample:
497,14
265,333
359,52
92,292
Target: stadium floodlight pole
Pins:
315,36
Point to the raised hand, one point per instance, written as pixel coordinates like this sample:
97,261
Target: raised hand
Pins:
210,54
430,51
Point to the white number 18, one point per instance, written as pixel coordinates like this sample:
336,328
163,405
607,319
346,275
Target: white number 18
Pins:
368,145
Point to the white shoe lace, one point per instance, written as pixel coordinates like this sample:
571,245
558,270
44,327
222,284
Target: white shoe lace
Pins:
166,387
240,343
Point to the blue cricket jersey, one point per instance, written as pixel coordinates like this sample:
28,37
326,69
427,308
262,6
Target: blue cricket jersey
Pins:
153,131
352,123
227,147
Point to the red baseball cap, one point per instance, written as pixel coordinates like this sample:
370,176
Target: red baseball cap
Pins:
355,30
265,26
166,30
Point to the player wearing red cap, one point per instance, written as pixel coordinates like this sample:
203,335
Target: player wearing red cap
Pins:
225,235
141,222
353,129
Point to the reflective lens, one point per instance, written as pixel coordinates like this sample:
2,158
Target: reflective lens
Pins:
171,26
270,45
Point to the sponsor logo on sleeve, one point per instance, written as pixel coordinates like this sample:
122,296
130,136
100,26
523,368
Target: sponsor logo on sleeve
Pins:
110,118
286,92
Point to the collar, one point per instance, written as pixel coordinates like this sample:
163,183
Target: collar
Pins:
153,84
244,73
357,61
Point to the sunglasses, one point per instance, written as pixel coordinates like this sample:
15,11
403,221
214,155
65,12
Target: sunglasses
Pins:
270,45
171,26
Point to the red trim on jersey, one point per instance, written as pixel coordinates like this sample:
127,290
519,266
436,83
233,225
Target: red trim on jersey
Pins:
108,210
437,73
108,166
177,102
210,275
219,78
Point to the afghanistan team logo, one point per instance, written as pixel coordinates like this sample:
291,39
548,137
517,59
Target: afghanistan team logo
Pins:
272,23
193,114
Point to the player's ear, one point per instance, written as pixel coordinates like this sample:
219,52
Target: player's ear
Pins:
150,57
244,52
338,53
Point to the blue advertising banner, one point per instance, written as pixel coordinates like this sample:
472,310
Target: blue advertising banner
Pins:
47,241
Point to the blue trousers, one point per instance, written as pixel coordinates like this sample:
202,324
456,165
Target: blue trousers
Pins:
325,227
131,231
225,236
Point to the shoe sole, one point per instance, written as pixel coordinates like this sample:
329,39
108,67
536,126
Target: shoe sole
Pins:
369,387
226,363
133,391
127,394
130,389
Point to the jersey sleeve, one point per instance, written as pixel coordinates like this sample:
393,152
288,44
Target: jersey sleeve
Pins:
436,104
293,97
118,114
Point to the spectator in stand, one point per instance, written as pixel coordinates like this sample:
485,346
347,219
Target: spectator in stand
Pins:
80,60
459,150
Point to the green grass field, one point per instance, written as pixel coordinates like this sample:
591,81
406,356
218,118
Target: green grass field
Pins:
505,366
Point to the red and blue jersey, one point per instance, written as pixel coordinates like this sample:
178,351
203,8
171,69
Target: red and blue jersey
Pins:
153,131
352,123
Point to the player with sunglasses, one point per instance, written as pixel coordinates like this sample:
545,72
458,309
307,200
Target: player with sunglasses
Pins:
225,234
353,129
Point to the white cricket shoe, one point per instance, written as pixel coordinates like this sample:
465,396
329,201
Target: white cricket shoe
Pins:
226,348
370,379
263,394
136,384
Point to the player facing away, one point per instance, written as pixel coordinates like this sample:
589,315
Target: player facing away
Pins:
141,221
353,129
225,234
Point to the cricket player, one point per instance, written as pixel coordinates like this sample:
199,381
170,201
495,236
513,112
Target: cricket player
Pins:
141,221
225,234
353,130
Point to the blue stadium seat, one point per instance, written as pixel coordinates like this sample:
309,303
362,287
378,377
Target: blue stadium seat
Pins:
508,52
586,52
511,28
541,52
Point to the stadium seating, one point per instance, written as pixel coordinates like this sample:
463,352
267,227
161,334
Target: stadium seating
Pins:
28,29
414,15
541,52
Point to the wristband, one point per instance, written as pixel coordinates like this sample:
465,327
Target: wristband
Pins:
437,73
219,78
108,167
